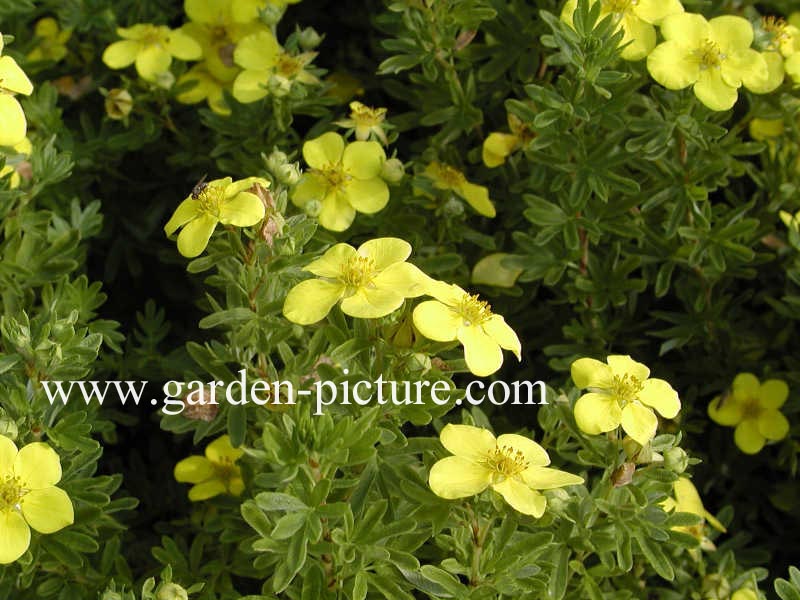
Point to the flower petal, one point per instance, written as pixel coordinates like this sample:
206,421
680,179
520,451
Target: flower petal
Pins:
250,86
331,262
672,65
121,54
591,373
748,438
497,329
220,451
363,160
544,478
324,151
243,210
207,489
727,411
38,466
775,77
311,300
639,422
597,413
712,90
482,353
152,61
773,425
404,278
659,394
367,195
624,365
257,52
640,34
534,454
385,251
194,469
194,236
467,441
15,125
497,146
186,211
521,498
183,46
690,29
654,11
457,477
310,187
372,303
48,510
746,386
773,393
437,321
687,497
337,213
748,68
731,33
15,536
13,78
477,196
8,454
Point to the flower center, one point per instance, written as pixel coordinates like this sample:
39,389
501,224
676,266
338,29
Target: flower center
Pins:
335,177
505,462
219,35
288,66
451,177
619,6
225,469
210,199
626,388
710,55
11,492
367,116
776,28
358,271
473,311
154,34
751,408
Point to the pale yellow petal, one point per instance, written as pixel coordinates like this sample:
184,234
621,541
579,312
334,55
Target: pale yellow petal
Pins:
404,278
194,469
748,437
712,90
151,62
48,510
591,373
534,454
221,452
482,354
121,54
497,329
597,413
477,196
186,211
437,321
726,410
8,454
367,195
639,422
456,477
773,425
624,365
773,393
521,498
337,213
14,123
194,236
331,263
206,490
363,160
310,301
544,478
15,536
13,78
324,151
372,303
672,64
659,394
467,441
250,86
38,466
385,251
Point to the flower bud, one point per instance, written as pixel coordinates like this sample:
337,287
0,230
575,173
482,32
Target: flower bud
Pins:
313,208
279,86
119,104
270,14
111,595
8,427
275,160
623,475
676,460
453,207
309,38
716,587
420,362
393,170
165,80
171,591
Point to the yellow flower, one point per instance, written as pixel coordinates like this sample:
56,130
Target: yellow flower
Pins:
752,407
712,56
365,121
782,41
343,179
499,145
151,48
204,86
13,125
28,496
457,315
636,18
370,282
445,177
213,474
621,394
687,499
220,201
52,41
512,465
765,129
118,104
268,67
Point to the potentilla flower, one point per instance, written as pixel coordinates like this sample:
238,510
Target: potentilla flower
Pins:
712,56
28,496
220,201
512,465
268,68
151,48
497,146
370,282
636,18
621,393
458,315
445,177
202,85
687,499
365,121
52,40
13,125
213,474
344,179
753,408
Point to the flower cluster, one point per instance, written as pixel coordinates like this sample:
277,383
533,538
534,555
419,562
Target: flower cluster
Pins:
213,474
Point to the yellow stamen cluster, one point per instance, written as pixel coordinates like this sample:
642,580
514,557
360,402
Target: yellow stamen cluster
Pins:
11,493
452,178
619,6
709,55
626,388
335,177
473,310
505,462
288,66
211,200
367,116
358,271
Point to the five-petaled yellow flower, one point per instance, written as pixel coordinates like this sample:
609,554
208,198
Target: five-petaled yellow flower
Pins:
213,474
713,56
268,67
620,393
370,282
636,18
52,40
365,121
458,315
219,201
687,499
344,179
512,465
13,125
151,48
445,177
753,408
498,145
202,85
28,496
